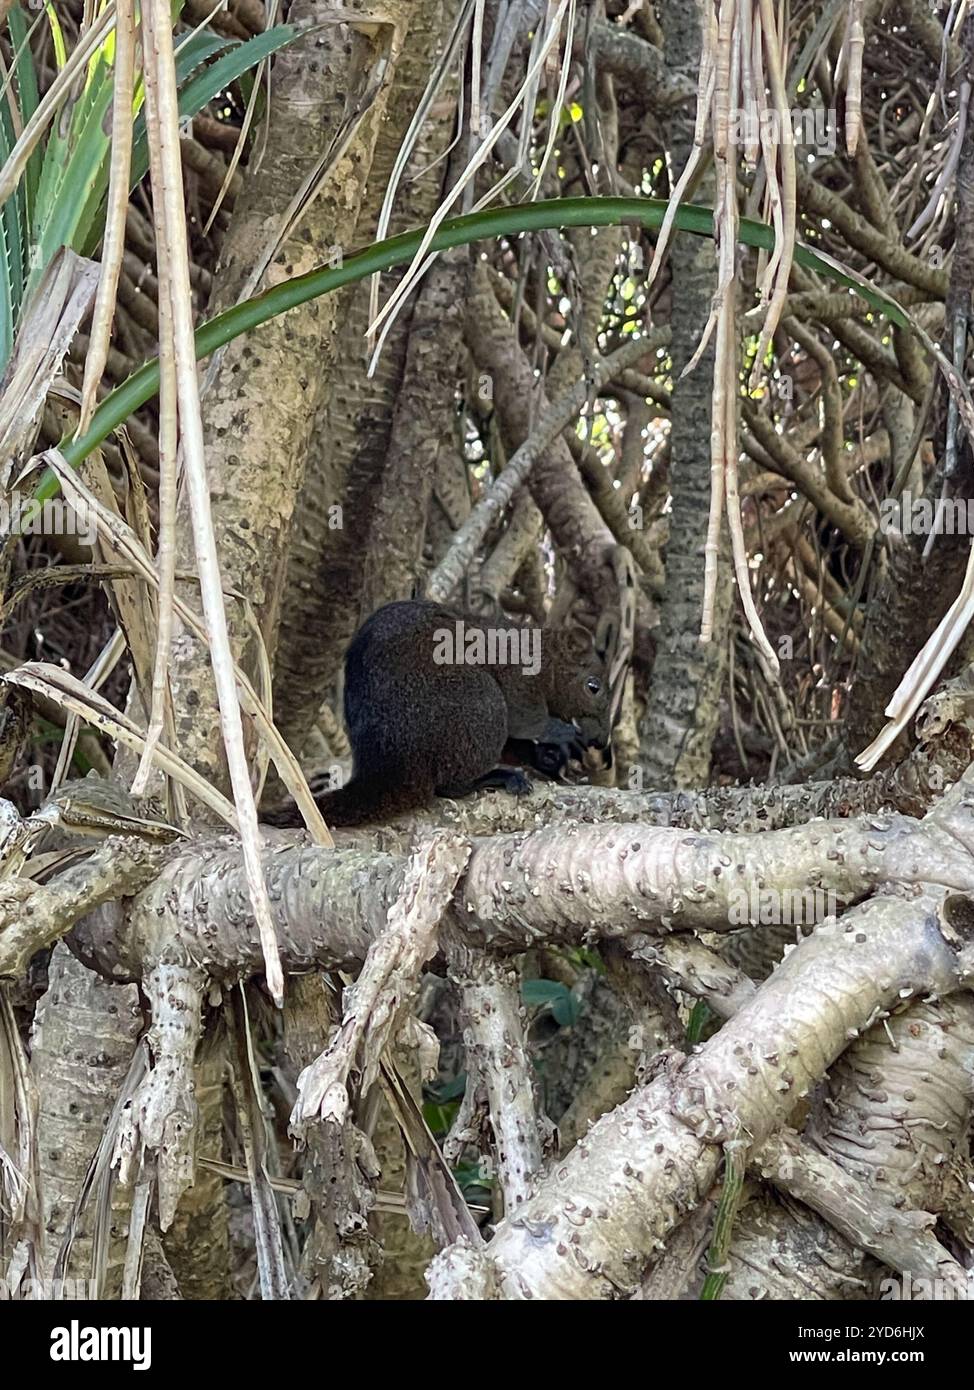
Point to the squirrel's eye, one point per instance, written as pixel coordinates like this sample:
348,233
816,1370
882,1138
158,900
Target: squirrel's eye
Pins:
594,684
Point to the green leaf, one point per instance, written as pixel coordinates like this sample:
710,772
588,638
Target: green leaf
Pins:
57,37
565,1010
439,1117
6,298
450,1090
700,1018
547,214
553,994
226,70
214,79
27,99
12,268
195,93
538,992
471,1179
72,166
190,54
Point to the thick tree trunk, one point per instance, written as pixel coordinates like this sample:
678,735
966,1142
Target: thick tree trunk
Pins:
353,426
260,406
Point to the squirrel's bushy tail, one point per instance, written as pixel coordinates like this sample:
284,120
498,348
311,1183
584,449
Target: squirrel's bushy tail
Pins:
357,803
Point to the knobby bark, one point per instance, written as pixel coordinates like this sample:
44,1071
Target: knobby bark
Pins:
262,397
352,428
682,709
590,1226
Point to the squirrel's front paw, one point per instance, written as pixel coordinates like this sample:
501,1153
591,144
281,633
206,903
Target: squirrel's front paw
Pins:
508,779
518,783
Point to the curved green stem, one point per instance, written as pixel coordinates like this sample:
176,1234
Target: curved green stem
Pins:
549,215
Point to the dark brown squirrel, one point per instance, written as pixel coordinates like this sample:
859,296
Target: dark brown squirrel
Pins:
434,698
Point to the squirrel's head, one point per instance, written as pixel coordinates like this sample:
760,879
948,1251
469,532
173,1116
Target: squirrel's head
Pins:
578,684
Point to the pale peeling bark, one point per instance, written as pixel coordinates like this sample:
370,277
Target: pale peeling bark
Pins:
687,964
163,1114
778,1256
375,1005
34,915
609,882
595,1220
162,1117
84,1033
872,1165
910,788
192,930
568,885
497,1059
899,1103
122,864
852,1203
260,404
900,1237
340,1166
874,1161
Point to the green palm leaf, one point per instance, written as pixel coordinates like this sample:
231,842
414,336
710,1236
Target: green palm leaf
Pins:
60,201
212,80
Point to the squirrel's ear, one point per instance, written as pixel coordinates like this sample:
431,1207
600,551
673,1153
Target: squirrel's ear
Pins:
578,641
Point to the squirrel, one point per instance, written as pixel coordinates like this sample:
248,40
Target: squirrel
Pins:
434,698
